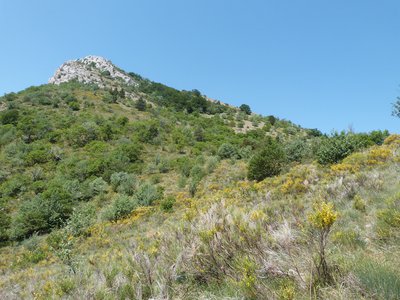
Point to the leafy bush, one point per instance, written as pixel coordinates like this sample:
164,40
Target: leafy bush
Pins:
359,203
268,162
74,106
296,150
184,165
378,136
7,134
197,172
10,116
81,135
32,217
39,154
338,146
34,126
81,219
131,150
5,222
168,203
124,183
146,132
45,211
335,148
193,185
121,206
98,186
15,185
227,150
146,194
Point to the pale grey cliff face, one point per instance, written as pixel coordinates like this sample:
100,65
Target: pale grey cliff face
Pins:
91,69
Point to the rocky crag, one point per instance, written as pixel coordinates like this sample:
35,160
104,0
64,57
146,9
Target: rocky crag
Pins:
91,70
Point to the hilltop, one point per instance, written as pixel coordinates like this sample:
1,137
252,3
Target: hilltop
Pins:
113,186
91,70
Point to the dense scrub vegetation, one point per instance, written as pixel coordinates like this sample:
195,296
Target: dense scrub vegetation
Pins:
147,191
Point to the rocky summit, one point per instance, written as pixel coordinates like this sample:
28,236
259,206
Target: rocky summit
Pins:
91,70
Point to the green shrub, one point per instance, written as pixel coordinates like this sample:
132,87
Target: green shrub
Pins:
31,218
184,165
124,183
81,219
10,116
296,150
359,203
212,164
81,135
314,132
5,222
198,134
121,206
378,136
14,185
227,150
193,186
39,155
147,131
245,152
268,162
197,173
140,104
7,134
338,146
43,212
74,106
168,203
131,150
34,126
146,194
98,186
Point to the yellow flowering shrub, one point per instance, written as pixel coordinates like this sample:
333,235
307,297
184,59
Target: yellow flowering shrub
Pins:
379,155
323,215
296,181
293,185
345,167
392,139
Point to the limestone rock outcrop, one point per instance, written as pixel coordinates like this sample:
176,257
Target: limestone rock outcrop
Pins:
91,70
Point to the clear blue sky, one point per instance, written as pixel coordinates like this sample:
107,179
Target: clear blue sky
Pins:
319,63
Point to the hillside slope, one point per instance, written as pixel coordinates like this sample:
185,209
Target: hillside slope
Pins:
116,187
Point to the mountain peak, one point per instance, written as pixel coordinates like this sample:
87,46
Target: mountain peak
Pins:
91,69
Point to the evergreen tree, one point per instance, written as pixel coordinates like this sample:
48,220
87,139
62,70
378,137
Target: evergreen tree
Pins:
268,162
140,104
245,108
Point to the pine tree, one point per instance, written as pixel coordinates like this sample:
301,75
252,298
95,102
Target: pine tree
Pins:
140,104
